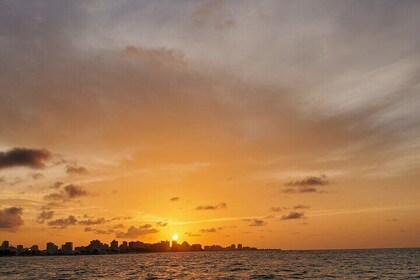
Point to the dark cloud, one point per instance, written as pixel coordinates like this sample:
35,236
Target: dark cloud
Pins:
11,218
309,182
175,198
134,232
302,190
57,185
89,229
63,222
45,215
90,222
257,222
300,206
210,230
162,224
391,220
73,191
37,176
275,209
33,158
75,169
102,231
69,192
293,216
212,207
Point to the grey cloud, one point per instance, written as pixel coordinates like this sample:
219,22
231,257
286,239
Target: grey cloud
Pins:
300,206
63,222
45,215
293,216
276,209
309,182
90,222
212,207
162,224
11,218
175,198
69,192
135,232
33,158
75,169
210,230
257,222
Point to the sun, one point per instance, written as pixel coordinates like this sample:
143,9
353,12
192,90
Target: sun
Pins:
175,237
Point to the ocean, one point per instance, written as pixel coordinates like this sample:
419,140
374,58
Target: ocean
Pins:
322,264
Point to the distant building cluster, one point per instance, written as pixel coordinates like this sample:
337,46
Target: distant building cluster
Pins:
97,247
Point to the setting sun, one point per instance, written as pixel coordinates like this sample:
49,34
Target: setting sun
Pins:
175,237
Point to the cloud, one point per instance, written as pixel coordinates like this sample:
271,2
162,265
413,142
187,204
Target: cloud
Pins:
73,191
162,224
37,176
90,222
69,192
256,222
63,222
275,209
300,206
309,182
56,185
293,216
221,205
134,232
33,158
210,230
75,169
11,218
45,215
175,198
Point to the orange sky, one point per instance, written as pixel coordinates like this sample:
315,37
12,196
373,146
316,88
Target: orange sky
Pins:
276,124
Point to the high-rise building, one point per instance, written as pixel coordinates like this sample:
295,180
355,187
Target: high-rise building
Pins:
34,248
5,245
232,247
67,247
239,246
52,249
114,245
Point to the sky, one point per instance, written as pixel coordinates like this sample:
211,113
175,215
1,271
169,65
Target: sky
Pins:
275,124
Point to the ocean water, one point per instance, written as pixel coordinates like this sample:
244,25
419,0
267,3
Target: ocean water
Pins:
331,264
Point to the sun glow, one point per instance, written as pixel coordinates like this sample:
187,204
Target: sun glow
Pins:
175,237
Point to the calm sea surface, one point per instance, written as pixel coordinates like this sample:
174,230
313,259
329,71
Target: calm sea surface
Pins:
338,264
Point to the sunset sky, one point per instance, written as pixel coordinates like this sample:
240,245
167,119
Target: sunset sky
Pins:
276,124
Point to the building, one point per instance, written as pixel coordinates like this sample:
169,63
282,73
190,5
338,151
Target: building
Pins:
52,249
5,245
34,248
232,247
67,248
114,245
239,246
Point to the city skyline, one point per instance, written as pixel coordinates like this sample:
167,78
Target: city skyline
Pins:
282,124
114,247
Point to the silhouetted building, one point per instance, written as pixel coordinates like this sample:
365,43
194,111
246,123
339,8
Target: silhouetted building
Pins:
114,245
67,248
34,248
239,246
5,245
52,249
